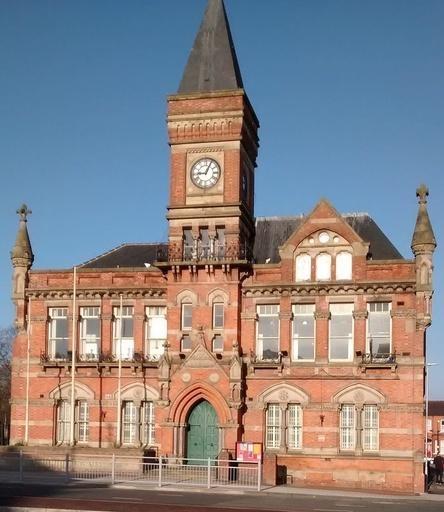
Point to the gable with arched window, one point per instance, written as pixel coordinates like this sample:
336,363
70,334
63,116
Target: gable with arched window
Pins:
323,256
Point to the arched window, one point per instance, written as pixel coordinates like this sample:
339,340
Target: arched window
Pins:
344,265
303,267
323,267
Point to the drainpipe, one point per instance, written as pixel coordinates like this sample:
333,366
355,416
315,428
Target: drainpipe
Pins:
119,399
28,349
73,354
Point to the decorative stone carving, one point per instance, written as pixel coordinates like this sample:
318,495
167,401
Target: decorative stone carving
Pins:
200,357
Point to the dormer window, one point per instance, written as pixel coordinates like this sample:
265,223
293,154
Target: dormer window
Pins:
323,267
303,267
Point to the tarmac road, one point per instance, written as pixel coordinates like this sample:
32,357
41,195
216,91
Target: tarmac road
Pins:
128,498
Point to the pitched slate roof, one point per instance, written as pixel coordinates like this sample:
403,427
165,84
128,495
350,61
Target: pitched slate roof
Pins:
212,64
272,232
127,256
436,408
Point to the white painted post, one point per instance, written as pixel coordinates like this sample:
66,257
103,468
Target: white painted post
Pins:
113,469
209,474
160,471
259,476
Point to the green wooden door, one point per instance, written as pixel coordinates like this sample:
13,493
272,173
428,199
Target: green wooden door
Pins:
202,435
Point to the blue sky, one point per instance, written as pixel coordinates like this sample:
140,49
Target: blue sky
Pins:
349,94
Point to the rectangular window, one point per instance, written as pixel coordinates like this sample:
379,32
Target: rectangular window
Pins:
273,422
63,414
218,343
442,426
188,244
187,317
370,428
341,332
185,342
82,421
156,331
267,342
429,424
219,244
123,333
379,330
294,426
303,332
129,423
148,426
204,244
90,332
58,333
348,427
218,316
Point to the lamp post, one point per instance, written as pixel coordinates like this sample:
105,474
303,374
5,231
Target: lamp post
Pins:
426,376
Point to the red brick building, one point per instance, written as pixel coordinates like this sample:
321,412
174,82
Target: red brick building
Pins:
306,334
435,428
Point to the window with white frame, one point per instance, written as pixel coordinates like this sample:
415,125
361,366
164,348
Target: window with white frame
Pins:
123,332
148,424
303,267
442,425
283,418
186,320
129,423
341,332
343,265
359,427
156,331
294,426
370,428
138,426
348,427
303,347
58,333
267,341
379,329
82,423
273,426
90,332
323,267
63,416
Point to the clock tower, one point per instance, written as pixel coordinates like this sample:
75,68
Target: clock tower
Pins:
212,131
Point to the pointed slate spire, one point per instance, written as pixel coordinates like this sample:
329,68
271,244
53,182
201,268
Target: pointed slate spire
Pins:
423,237
212,64
21,254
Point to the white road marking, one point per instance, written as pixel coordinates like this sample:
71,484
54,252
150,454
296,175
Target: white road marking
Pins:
125,498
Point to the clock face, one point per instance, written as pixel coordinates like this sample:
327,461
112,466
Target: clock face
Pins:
205,173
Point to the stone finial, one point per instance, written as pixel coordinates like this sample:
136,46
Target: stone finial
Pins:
423,240
23,212
21,254
422,192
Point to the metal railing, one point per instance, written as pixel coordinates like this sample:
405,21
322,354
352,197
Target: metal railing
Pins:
204,253
113,469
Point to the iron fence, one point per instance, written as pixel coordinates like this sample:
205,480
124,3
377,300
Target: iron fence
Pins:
113,469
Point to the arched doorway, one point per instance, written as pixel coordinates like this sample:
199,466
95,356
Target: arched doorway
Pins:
202,432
